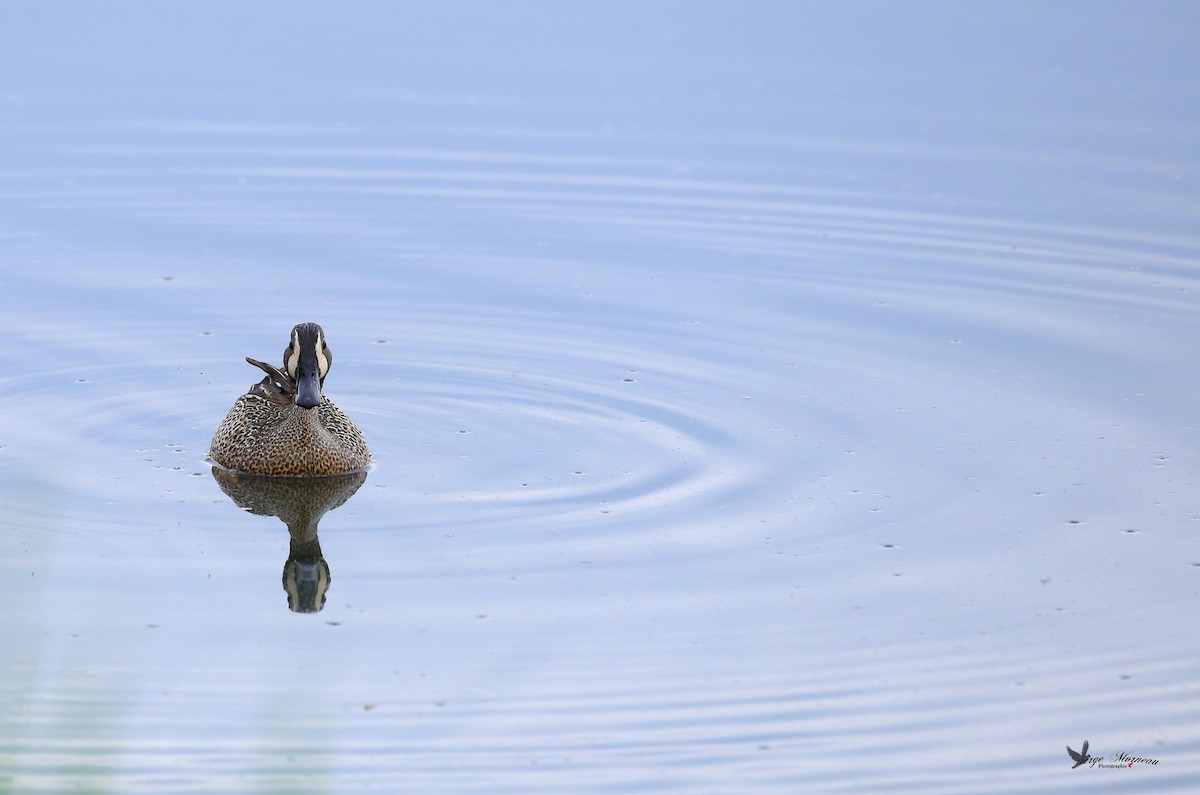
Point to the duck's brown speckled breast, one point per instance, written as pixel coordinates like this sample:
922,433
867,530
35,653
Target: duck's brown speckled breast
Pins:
263,438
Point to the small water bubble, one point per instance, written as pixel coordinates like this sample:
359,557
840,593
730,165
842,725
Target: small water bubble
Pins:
888,546
82,381
1129,530
382,342
1074,521
462,430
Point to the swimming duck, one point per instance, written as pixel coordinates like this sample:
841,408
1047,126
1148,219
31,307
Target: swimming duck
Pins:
285,426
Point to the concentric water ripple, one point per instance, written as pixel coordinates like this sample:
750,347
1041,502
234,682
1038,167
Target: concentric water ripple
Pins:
689,468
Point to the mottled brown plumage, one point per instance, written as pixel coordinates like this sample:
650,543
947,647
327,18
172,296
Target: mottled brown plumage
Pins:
284,426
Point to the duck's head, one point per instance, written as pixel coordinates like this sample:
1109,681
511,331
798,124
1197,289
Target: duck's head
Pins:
307,360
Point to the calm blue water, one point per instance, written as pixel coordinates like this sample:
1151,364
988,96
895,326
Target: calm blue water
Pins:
764,398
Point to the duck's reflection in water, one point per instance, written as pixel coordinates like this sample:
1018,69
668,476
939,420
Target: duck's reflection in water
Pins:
300,503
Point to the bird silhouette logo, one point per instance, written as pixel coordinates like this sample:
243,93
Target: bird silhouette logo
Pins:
1081,757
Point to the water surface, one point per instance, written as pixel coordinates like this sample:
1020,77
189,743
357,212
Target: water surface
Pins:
762,401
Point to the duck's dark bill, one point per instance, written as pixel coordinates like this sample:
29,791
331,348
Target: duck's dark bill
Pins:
308,391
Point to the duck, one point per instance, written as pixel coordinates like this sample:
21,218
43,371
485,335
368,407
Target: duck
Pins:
285,426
